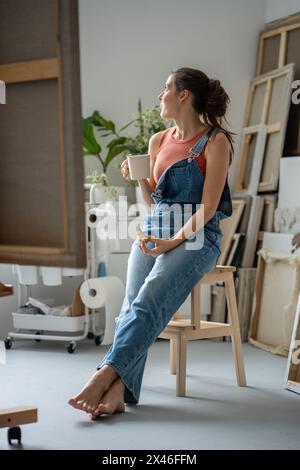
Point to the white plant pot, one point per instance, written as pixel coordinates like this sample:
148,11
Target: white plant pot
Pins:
100,194
138,195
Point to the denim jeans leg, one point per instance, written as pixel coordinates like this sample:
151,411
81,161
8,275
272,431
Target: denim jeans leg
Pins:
164,290
139,266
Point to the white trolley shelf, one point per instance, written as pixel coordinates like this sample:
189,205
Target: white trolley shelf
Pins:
67,329
58,328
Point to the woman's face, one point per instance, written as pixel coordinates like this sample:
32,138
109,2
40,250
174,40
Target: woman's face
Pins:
169,100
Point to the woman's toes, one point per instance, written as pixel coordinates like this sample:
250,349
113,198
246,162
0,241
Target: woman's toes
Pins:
73,402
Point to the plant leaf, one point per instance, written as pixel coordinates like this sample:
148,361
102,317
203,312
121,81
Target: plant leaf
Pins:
113,153
103,123
90,144
119,141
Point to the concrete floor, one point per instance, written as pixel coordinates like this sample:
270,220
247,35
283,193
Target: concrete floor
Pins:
216,414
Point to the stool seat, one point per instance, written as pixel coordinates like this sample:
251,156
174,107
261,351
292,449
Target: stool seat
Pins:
180,330
224,269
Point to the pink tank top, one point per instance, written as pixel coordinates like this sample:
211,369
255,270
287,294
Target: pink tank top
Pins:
171,151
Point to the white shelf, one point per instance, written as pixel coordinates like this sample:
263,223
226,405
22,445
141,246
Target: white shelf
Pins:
48,322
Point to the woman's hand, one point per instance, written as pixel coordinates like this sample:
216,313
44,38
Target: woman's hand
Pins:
125,170
162,245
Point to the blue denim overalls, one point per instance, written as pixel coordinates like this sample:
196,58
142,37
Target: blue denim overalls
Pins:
156,287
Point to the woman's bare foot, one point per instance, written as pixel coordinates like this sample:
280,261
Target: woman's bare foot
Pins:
112,402
89,397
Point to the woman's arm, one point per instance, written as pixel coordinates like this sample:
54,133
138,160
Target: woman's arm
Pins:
217,154
147,186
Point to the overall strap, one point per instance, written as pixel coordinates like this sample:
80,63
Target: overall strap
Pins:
197,149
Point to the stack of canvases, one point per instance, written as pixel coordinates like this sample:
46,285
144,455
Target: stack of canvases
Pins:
267,271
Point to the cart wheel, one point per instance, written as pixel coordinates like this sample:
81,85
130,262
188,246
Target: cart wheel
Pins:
8,342
90,335
14,433
71,347
98,340
38,333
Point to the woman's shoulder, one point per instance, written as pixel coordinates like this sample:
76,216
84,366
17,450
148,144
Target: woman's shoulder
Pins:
157,139
218,137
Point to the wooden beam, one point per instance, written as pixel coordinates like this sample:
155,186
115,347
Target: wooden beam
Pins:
282,49
16,416
29,71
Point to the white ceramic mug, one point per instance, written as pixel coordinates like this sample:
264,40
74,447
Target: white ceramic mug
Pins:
139,166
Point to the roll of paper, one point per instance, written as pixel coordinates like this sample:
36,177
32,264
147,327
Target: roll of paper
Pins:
107,292
95,215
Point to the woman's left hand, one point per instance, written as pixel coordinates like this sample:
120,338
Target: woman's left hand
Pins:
162,245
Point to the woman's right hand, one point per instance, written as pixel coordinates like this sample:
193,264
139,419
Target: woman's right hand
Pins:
125,170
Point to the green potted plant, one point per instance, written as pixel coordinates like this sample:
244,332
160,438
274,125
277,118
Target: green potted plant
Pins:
101,190
147,122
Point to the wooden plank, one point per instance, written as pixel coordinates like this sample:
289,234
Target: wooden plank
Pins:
6,289
282,23
245,287
16,416
282,50
267,221
252,231
29,71
218,311
248,184
229,228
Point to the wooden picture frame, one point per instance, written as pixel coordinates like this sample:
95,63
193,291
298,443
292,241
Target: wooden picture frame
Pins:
269,103
229,227
236,247
278,46
292,377
250,164
267,220
272,316
252,233
42,219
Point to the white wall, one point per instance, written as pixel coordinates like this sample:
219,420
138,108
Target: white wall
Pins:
276,9
129,47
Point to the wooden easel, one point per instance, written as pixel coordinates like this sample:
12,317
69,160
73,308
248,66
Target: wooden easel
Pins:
12,418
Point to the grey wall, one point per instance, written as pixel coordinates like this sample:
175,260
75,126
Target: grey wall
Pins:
128,48
280,8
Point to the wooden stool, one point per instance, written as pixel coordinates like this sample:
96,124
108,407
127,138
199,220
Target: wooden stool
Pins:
180,330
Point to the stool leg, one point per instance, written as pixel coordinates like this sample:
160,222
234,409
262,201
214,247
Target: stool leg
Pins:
173,349
236,335
181,366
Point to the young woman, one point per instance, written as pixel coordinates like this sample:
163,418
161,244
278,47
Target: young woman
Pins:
189,166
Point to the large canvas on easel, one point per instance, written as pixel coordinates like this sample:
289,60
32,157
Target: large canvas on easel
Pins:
41,168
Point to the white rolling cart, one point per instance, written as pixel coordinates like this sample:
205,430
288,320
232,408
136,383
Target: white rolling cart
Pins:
70,329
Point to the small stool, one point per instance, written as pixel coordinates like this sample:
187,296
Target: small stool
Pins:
180,330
